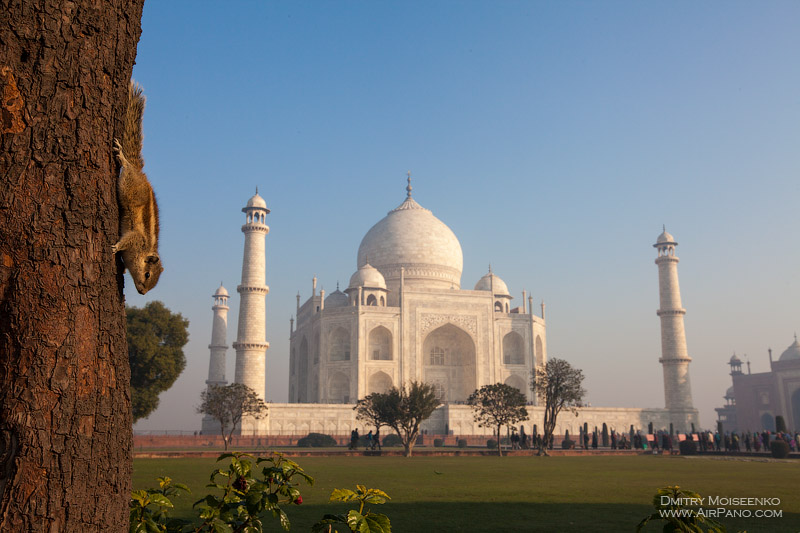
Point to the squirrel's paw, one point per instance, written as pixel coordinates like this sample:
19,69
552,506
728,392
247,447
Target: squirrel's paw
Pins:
114,248
117,149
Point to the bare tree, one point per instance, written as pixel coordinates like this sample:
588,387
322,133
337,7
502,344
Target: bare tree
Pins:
228,404
558,385
402,409
496,406
65,418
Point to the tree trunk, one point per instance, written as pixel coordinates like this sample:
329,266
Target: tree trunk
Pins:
65,420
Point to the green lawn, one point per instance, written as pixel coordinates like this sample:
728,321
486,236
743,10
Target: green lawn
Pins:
490,494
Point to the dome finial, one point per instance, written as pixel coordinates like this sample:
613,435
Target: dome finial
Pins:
663,227
408,187
490,268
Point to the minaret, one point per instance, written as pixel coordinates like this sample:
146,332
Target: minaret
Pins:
216,364
251,345
674,356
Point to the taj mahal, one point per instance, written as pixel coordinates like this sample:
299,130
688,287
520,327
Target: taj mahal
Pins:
405,316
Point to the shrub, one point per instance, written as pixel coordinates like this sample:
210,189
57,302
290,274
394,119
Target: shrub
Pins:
688,447
316,440
393,439
780,424
779,448
462,443
491,444
438,443
567,444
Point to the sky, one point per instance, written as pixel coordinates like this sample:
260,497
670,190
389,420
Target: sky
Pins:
554,138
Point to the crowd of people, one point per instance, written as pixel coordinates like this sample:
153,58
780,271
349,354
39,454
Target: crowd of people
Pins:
707,441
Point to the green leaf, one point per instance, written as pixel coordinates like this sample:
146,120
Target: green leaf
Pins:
221,527
182,486
378,523
356,522
160,499
343,495
285,524
140,496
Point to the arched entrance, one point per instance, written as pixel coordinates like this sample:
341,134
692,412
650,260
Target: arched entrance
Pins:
449,360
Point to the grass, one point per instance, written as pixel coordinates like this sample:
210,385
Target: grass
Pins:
492,494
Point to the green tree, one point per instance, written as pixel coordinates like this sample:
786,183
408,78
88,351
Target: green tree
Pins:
402,409
558,385
496,406
156,338
228,404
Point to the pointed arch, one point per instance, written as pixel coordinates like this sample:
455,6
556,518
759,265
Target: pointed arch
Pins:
339,388
518,382
380,344
513,349
379,382
449,358
539,351
302,374
339,345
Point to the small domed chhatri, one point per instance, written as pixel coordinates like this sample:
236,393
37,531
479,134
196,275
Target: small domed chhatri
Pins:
221,291
367,276
256,201
492,282
336,299
665,238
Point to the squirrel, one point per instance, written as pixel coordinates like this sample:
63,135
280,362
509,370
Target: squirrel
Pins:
138,242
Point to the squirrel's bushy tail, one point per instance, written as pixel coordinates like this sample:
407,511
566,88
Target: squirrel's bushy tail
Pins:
132,136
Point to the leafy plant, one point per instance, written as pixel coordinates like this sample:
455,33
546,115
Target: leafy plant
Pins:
150,508
360,521
670,507
245,497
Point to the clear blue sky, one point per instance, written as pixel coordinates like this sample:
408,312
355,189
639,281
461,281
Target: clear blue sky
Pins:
554,138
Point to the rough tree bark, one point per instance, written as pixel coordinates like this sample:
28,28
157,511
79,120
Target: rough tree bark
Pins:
65,421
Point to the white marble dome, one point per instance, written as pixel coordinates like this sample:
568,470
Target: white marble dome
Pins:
411,237
336,299
729,393
792,352
222,291
368,277
257,201
492,281
665,238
